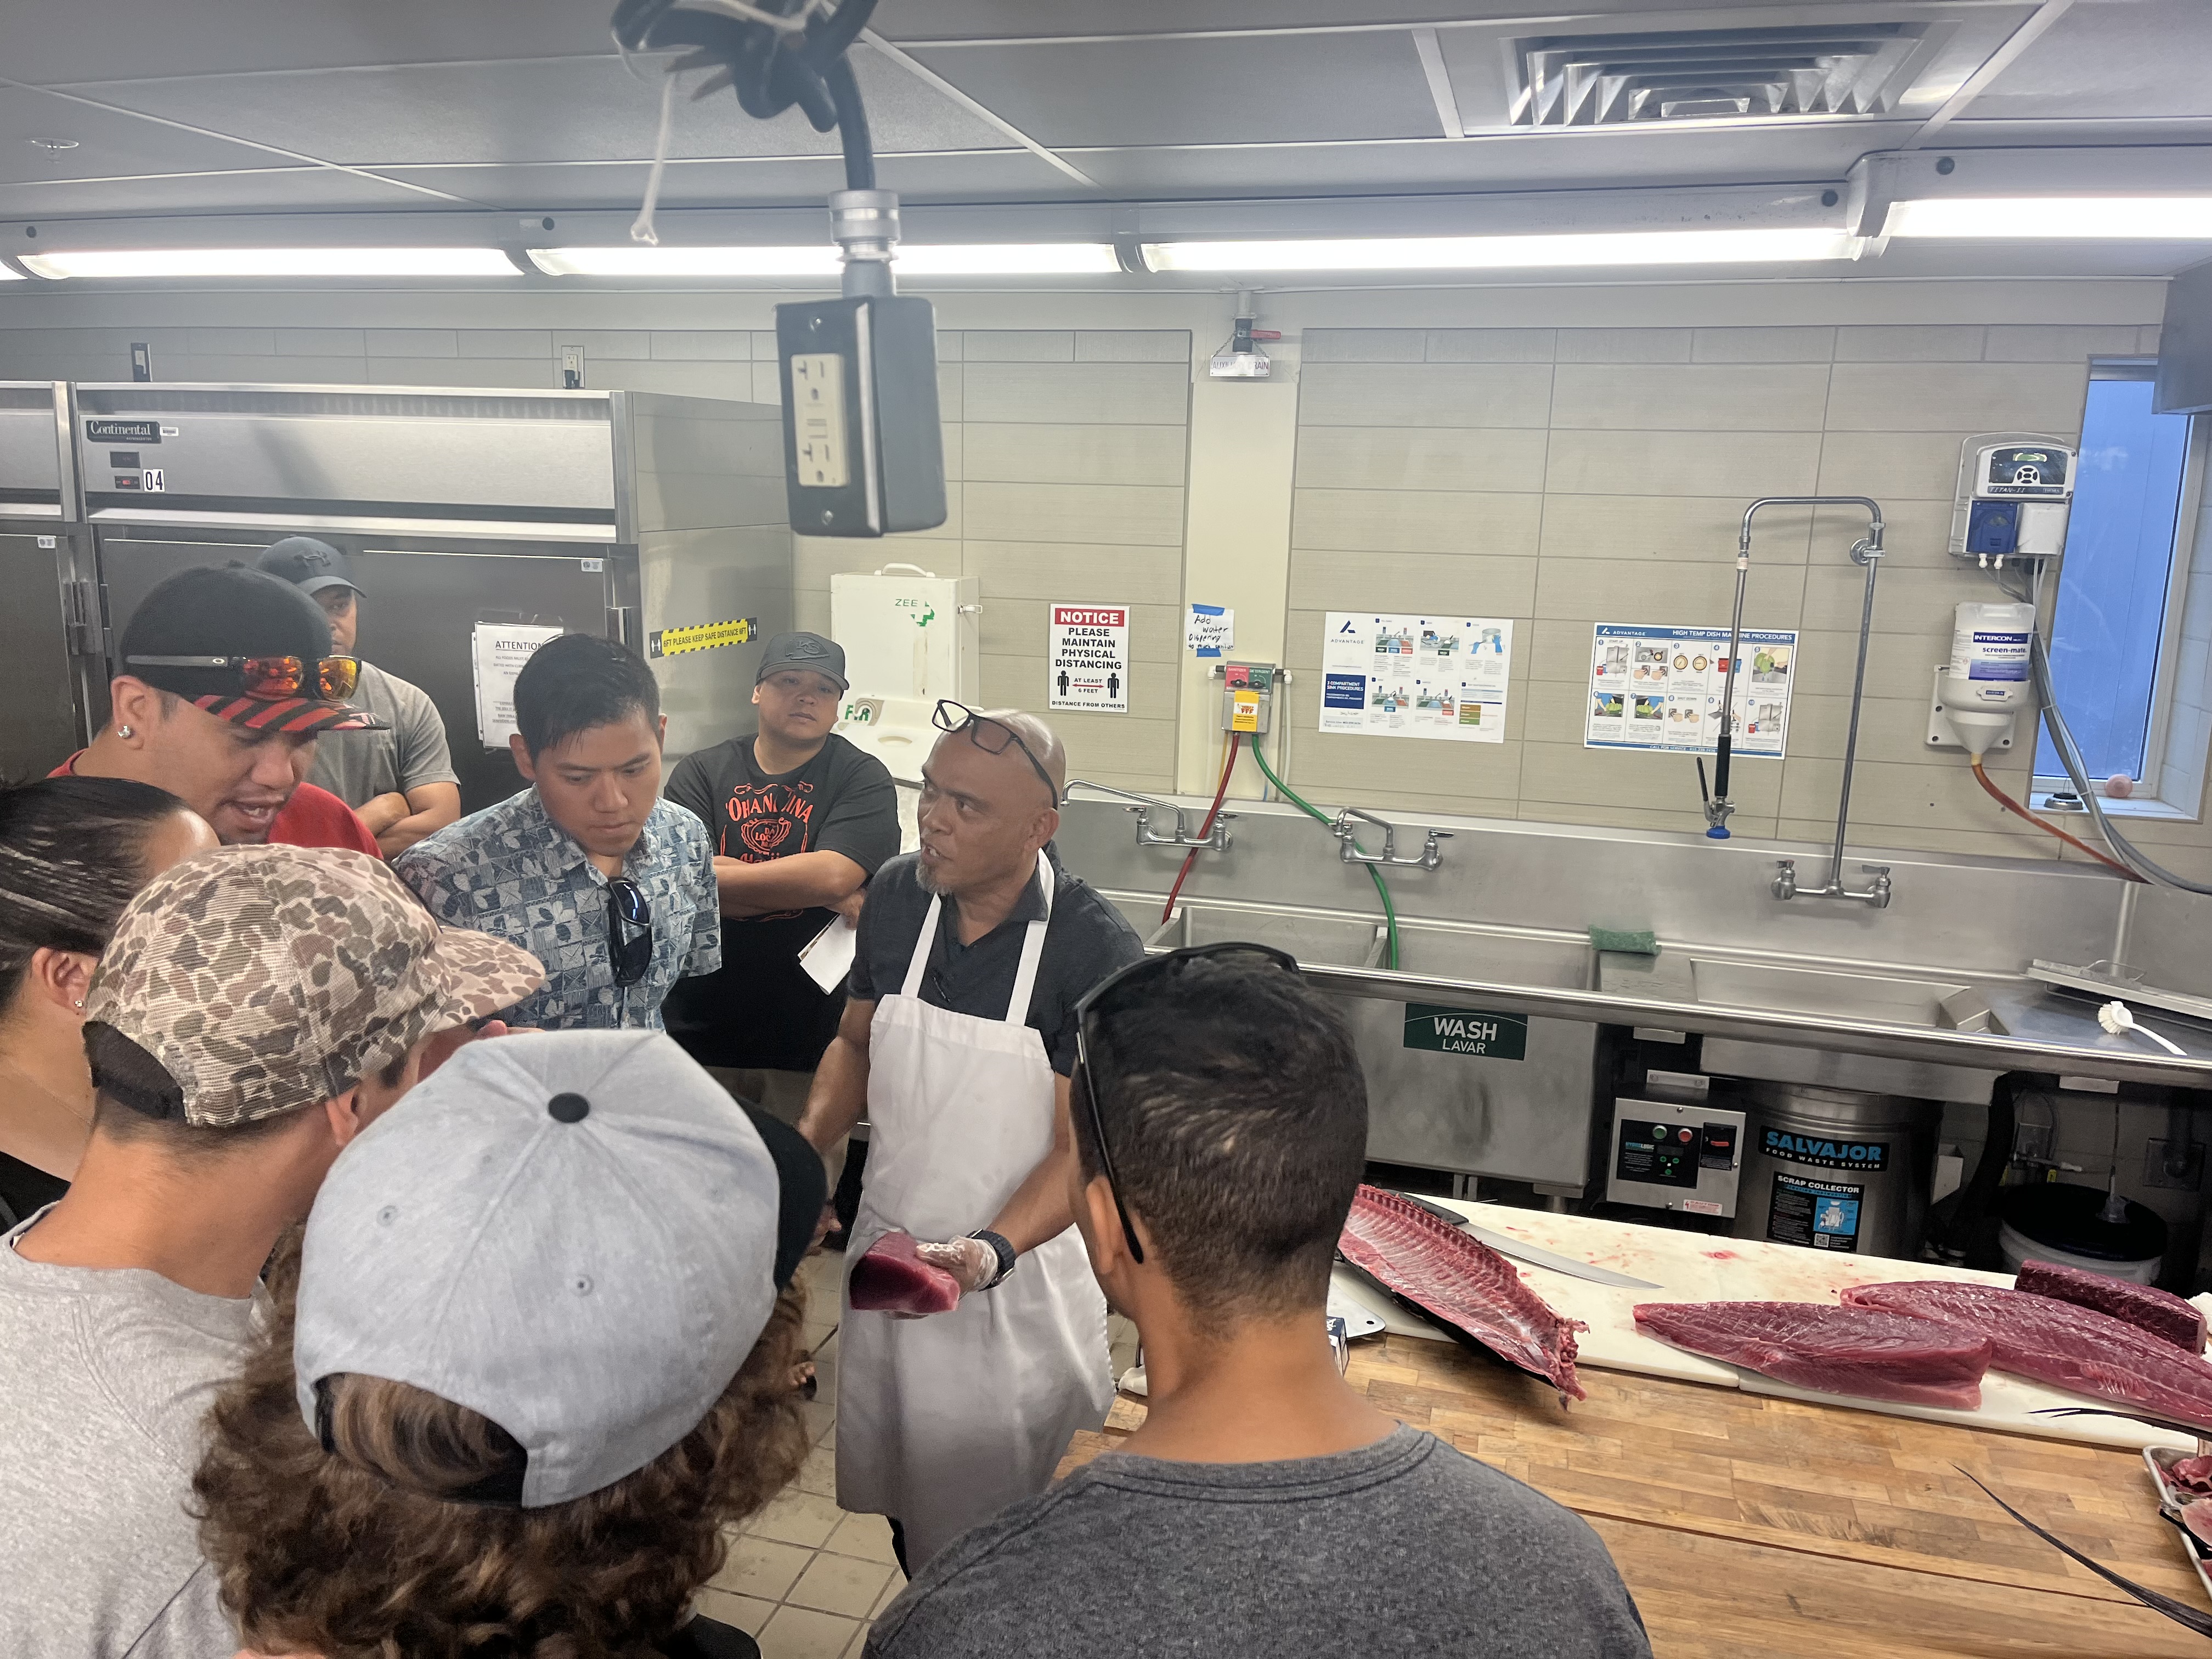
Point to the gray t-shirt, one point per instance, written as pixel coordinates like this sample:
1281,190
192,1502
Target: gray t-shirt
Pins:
106,1375
359,766
1405,1547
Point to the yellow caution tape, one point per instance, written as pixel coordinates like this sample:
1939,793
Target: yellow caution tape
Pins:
699,637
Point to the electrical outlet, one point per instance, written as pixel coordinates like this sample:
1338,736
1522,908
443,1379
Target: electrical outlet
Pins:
817,403
2154,1173
571,368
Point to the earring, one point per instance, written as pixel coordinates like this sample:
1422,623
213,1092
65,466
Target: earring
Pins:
79,1005
125,731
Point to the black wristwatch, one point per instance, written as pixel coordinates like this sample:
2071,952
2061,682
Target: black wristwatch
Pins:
1005,1253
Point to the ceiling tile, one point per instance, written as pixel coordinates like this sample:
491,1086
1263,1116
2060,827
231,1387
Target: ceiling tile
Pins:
109,144
311,189
540,110
2112,58
1168,92
902,20
121,39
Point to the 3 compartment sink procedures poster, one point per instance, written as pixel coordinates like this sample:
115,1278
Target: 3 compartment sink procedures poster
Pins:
1654,687
1408,676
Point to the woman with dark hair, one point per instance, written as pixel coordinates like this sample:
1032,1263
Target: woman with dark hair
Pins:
72,853
582,1236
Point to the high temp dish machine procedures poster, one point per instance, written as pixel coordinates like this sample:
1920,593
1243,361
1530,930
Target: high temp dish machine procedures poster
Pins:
1416,677
1652,687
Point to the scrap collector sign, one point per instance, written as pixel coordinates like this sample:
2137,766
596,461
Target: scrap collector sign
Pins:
1087,663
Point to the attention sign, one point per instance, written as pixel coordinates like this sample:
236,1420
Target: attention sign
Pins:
1087,660
1466,1031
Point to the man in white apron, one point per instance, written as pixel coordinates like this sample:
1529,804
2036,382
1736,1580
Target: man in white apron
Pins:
957,1042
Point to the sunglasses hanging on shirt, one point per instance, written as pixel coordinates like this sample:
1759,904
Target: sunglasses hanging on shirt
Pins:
629,931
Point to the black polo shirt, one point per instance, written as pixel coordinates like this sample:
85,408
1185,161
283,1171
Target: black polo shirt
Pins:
1086,940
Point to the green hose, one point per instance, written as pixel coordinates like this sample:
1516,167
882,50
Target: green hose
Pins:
1381,887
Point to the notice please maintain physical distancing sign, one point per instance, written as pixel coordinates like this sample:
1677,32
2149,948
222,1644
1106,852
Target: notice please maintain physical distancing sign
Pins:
1087,658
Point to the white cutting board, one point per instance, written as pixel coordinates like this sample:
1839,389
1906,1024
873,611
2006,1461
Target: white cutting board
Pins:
1694,1267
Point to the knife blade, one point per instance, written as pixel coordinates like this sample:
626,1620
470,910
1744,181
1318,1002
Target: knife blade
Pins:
1535,1255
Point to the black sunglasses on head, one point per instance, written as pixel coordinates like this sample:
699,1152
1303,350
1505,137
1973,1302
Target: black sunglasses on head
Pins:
991,736
629,931
1093,1006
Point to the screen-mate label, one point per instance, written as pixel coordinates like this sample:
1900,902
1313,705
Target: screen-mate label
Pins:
1466,1031
123,432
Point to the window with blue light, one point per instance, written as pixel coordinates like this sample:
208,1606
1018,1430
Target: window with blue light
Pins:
2117,578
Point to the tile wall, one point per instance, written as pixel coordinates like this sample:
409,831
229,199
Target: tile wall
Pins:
1568,476
1065,456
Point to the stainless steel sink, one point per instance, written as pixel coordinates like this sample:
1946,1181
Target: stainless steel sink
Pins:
1931,1005
1495,959
1339,941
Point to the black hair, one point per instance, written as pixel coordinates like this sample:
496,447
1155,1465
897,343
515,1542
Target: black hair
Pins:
72,853
1237,1114
577,682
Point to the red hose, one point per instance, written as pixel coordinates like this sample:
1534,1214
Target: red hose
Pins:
2017,810
1229,765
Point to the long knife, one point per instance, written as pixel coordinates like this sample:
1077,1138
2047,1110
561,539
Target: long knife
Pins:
1535,1255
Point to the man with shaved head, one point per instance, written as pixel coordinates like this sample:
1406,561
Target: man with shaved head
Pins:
957,1042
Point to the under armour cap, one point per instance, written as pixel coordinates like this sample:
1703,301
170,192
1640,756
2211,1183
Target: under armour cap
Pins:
187,624
809,651
573,1234
250,981
308,564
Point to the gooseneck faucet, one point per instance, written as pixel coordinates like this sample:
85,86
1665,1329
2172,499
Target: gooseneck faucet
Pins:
1867,551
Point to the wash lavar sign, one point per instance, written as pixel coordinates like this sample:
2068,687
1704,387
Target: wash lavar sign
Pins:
1466,1031
1087,660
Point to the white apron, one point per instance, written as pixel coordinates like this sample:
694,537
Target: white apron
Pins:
944,1421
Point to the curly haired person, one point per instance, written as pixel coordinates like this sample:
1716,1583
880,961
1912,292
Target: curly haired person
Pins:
537,1349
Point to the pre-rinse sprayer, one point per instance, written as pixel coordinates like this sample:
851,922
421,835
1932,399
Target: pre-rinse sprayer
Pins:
1867,551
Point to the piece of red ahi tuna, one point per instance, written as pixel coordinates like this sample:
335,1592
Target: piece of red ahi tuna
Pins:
1851,1351
892,1278
2060,1343
2159,1312
1461,1281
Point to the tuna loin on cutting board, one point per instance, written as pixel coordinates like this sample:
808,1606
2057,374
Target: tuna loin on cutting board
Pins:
1855,1350
892,1279
2159,1312
1463,1282
2059,1343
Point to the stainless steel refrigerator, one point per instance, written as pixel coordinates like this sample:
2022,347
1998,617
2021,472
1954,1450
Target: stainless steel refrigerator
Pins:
623,514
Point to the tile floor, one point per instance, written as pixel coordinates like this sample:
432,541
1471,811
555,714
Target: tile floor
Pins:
804,1577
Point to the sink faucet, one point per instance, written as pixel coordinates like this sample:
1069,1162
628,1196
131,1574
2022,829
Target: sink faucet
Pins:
1217,838
1866,551
1431,853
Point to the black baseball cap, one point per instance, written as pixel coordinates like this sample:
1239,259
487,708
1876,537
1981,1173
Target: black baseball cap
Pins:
309,565
231,611
808,651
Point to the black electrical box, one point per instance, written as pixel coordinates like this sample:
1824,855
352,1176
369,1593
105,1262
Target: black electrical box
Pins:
863,450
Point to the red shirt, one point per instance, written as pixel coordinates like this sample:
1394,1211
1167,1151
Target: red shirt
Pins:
313,817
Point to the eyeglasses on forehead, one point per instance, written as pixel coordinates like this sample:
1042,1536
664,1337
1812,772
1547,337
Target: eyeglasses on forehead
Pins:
991,735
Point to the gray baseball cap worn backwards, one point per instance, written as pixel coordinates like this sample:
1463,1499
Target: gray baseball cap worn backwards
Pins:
574,1234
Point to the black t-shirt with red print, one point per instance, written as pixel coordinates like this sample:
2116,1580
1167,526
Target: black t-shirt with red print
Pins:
761,1009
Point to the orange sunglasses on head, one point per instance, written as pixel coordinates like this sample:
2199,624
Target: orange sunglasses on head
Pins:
273,677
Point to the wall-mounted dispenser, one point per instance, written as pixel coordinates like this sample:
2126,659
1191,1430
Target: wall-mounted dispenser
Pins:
1986,683
2016,490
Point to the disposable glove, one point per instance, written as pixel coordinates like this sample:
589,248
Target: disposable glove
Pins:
970,1260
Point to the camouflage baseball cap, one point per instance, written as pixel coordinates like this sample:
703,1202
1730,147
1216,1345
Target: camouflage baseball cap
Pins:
250,981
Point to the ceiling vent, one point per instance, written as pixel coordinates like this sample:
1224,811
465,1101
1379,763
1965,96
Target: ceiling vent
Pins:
1617,80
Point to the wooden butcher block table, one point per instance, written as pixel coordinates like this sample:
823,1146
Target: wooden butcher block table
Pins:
1750,1521
1748,1527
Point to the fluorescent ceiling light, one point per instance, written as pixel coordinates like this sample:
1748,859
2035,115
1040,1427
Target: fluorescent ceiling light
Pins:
1632,247
915,259
8,276
272,262
2040,218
